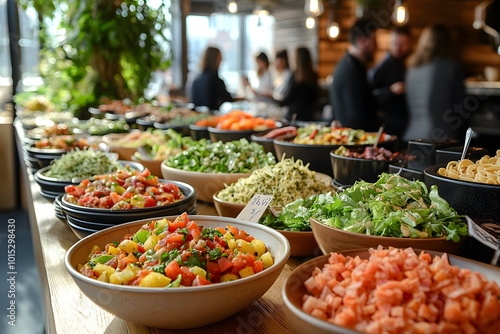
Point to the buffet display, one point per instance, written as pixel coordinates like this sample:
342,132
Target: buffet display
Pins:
387,240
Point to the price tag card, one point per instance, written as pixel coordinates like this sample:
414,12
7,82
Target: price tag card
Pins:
255,208
481,235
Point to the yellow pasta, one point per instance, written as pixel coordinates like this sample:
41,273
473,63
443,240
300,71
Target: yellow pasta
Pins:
485,170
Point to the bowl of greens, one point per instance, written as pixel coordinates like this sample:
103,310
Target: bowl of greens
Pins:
393,211
209,166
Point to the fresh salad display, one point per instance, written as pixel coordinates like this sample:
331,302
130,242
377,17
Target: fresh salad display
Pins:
122,190
287,181
100,127
371,153
177,253
392,207
313,134
239,156
82,164
63,142
175,144
238,120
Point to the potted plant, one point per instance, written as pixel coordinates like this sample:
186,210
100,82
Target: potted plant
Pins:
95,49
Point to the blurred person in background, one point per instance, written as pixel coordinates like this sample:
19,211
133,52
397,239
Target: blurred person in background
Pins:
434,88
301,97
281,75
263,92
350,95
208,89
387,82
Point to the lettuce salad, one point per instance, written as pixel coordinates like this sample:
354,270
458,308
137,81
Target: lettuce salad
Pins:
393,207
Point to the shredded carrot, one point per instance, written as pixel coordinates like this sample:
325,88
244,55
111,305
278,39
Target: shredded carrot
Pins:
399,291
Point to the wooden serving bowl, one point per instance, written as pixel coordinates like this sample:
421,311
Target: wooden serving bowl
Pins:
331,239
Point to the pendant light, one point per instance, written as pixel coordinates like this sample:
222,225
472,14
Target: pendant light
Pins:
400,16
314,7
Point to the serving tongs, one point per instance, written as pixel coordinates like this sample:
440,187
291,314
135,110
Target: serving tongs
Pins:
379,135
468,137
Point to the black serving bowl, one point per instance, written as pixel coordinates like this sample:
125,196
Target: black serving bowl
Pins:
402,170
476,200
54,185
229,135
79,231
347,170
145,123
318,155
198,132
108,216
182,129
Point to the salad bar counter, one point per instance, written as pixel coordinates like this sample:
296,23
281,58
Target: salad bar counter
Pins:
68,310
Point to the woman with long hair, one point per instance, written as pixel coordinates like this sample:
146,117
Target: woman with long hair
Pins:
301,97
208,89
434,88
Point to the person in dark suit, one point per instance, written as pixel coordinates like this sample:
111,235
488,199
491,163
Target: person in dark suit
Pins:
350,94
435,88
387,82
208,89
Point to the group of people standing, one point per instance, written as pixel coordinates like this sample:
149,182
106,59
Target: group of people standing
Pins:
413,94
297,90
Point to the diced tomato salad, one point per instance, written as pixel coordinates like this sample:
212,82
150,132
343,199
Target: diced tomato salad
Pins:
164,253
123,190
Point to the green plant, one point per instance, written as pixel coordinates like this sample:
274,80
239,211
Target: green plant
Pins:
100,49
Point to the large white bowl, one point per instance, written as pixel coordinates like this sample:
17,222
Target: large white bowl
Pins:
205,184
183,307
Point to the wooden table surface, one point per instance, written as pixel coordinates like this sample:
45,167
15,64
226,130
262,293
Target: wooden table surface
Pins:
67,310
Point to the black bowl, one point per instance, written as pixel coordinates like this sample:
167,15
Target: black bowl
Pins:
229,135
182,129
80,232
50,184
108,216
198,132
317,155
87,224
402,170
267,143
144,123
347,170
476,200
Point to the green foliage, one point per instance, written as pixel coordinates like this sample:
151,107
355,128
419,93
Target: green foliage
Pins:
100,49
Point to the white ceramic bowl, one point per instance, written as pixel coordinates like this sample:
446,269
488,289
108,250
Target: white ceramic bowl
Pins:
205,184
183,307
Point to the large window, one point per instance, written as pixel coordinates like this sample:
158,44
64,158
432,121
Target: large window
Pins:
239,37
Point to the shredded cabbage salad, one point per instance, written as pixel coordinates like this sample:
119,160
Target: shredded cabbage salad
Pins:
82,164
287,181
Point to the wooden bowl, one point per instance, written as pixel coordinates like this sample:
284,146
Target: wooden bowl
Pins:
205,184
331,239
178,308
124,153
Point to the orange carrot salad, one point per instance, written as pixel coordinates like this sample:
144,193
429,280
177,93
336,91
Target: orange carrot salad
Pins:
399,291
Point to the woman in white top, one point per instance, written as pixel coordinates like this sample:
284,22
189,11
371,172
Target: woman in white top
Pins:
263,92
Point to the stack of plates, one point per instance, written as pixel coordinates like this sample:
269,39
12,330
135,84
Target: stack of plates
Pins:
51,187
85,221
58,209
37,158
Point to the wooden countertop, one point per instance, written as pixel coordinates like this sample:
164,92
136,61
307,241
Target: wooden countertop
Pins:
67,310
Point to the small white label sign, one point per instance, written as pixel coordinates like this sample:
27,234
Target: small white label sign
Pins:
255,208
478,233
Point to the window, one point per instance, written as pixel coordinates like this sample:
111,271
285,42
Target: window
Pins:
239,37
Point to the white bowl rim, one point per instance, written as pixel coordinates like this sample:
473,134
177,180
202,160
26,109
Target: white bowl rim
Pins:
217,286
